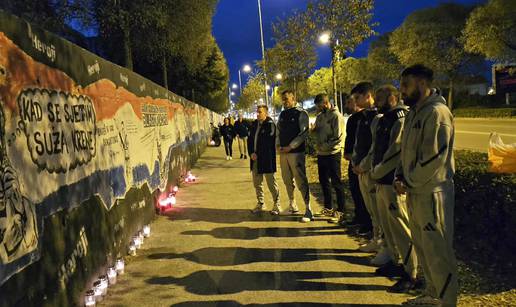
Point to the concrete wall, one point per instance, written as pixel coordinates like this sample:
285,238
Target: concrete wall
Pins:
85,147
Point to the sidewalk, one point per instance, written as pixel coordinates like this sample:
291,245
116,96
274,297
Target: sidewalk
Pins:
212,251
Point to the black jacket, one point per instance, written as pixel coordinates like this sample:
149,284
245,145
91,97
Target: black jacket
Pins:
265,146
227,132
241,129
351,128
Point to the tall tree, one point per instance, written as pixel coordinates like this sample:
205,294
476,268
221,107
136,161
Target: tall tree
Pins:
251,93
433,37
350,71
320,82
491,30
349,23
383,65
294,55
213,80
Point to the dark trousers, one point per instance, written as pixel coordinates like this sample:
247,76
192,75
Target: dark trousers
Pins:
228,145
329,171
361,215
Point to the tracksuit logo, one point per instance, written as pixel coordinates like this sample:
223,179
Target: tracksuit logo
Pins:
429,227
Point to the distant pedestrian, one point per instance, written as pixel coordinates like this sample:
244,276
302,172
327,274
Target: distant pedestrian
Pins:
329,136
362,217
426,175
291,142
242,132
228,134
262,151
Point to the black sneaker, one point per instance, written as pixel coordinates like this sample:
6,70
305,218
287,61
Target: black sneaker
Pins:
241,156
364,230
390,269
403,285
245,156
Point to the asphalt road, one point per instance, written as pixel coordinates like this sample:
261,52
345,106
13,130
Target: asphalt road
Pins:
473,133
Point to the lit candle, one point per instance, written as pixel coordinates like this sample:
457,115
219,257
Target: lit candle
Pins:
98,290
120,266
89,298
132,248
146,231
103,284
111,273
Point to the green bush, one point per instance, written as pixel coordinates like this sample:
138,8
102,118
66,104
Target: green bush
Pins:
484,112
485,216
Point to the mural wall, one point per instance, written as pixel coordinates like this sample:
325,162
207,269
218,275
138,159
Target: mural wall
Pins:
75,127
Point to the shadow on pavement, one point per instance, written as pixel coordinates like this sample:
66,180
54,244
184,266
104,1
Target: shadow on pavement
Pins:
248,233
304,304
232,281
224,216
228,256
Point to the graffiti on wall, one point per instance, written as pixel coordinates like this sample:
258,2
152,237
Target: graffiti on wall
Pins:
72,126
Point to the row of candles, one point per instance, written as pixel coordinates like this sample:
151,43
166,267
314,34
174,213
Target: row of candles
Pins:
100,286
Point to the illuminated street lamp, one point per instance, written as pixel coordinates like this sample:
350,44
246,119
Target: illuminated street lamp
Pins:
279,76
234,86
325,38
247,69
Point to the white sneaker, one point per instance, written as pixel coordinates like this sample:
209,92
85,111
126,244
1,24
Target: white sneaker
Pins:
276,210
292,208
370,247
230,158
308,217
382,257
227,158
259,208
423,300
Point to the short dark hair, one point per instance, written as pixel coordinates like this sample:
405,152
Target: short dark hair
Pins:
363,88
320,98
389,89
263,106
419,71
287,92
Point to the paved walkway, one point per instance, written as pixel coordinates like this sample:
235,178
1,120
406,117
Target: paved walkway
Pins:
212,251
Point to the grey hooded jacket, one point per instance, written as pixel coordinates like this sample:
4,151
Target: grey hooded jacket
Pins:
426,162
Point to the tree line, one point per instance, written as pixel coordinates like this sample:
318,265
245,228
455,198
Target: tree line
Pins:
454,40
167,41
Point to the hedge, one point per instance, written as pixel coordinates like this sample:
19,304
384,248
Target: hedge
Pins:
485,212
484,112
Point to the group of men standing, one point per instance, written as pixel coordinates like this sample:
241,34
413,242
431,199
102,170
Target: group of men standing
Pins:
399,144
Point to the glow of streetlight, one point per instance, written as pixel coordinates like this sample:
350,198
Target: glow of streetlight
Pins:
246,68
324,38
232,93
279,76
234,86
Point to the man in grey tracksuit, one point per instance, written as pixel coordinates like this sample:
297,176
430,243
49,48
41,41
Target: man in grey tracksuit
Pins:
392,208
328,133
292,133
426,175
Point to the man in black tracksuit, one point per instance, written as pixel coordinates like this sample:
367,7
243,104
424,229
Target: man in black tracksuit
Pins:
362,217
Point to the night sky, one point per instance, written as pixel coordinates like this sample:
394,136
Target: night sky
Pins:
237,30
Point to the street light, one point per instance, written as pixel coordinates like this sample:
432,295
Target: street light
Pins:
247,69
232,93
325,38
279,76
263,54
234,86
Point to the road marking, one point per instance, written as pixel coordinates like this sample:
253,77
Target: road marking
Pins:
484,133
